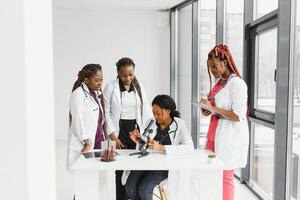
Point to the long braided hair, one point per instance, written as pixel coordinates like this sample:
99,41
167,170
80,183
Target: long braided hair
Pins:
125,62
86,72
222,52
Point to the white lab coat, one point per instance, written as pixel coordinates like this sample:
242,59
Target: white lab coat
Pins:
113,107
85,112
181,140
181,143
232,138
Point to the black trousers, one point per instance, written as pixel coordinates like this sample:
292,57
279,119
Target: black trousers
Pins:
125,126
140,184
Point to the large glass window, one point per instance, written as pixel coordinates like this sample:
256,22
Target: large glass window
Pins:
262,107
262,159
262,7
295,157
207,41
234,23
266,57
184,70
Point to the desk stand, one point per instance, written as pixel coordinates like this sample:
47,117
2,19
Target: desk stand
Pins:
142,153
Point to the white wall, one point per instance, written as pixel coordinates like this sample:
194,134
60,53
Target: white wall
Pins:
27,168
13,169
91,36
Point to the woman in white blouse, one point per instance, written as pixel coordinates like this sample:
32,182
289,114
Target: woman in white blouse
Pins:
170,135
126,109
228,134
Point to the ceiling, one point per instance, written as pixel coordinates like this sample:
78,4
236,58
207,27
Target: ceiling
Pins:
117,4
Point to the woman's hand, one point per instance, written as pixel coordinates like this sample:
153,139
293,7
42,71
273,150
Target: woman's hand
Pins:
134,135
86,148
207,103
156,146
119,144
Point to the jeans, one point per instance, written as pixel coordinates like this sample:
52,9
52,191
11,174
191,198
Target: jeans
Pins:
140,184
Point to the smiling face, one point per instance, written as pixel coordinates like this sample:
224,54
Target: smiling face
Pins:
95,81
217,67
126,75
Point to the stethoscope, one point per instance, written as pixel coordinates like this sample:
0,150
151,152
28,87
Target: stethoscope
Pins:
174,131
87,92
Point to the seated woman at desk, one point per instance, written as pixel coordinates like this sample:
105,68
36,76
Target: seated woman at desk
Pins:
170,135
86,113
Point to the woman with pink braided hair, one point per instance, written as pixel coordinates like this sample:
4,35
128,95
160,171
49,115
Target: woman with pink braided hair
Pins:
228,133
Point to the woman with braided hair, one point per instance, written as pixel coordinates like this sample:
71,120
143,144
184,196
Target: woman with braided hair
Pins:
126,109
86,113
228,133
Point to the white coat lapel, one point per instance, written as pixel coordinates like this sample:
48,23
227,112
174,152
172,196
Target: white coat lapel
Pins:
117,93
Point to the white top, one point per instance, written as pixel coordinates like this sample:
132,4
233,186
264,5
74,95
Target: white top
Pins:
113,108
128,105
232,138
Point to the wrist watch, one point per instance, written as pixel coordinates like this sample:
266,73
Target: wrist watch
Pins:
86,141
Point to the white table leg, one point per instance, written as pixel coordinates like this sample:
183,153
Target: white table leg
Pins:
211,185
87,185
95,185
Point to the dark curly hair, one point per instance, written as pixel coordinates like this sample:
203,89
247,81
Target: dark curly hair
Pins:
87,72
166,102
125,62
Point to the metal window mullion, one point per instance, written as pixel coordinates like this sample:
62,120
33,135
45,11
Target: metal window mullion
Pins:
220,21
174,52
195,88
283,102
248,18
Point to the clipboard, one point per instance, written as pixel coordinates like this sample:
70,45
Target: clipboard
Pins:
213,112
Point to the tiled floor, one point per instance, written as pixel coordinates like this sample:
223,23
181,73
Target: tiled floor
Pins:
64,180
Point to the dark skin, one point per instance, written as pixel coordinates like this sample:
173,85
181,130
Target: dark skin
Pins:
163,118
219,69
126,75
93,83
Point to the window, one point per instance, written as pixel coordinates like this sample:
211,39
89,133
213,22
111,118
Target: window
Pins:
262,159
184,70
207,41
234,22
262,7
266,50
295,157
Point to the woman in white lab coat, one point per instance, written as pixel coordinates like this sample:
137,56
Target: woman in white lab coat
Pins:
228,134
126,108
170,135
86,113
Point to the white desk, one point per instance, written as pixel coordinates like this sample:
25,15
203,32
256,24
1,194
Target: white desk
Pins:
93,178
